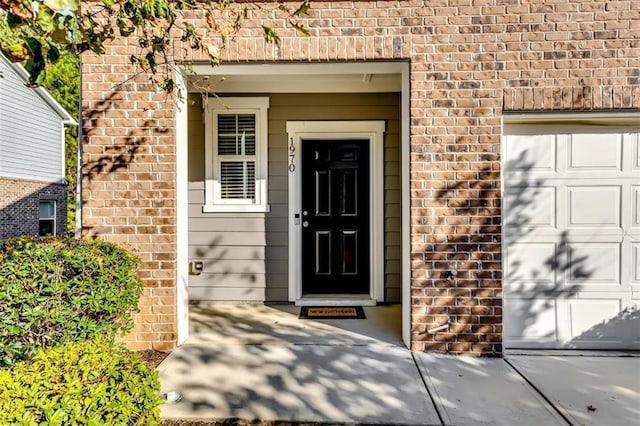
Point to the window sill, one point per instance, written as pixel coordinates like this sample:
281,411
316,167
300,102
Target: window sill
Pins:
235,208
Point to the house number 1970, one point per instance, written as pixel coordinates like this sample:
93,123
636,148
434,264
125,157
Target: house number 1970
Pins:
292,156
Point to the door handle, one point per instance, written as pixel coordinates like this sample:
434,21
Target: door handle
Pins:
305,213
305,223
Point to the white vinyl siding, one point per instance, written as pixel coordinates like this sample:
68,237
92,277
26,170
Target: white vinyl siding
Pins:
31,132
236,155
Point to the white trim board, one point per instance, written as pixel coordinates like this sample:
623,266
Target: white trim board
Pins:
405,165
214,203
608,118
374,132
182,214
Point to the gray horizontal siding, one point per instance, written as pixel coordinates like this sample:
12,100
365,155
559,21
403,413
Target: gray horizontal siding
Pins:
31,144
231,293
246,255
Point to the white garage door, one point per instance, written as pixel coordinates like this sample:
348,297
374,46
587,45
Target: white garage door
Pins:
571,227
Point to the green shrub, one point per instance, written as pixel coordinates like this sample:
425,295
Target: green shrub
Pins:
83,383
59,290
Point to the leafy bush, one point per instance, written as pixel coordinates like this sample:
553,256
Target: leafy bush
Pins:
83,383
59,290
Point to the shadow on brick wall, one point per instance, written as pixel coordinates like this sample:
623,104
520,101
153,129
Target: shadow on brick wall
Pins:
121,149
19,211
467,270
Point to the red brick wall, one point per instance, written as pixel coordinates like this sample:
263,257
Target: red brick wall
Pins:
19,201
470,60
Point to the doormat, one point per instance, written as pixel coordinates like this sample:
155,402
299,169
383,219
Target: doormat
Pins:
332,312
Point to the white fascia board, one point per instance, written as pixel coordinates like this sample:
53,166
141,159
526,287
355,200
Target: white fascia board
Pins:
601,117
43,93
328,68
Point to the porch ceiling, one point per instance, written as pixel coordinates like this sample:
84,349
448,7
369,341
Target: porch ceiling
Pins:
297,78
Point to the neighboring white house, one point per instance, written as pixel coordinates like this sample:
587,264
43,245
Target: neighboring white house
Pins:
32,175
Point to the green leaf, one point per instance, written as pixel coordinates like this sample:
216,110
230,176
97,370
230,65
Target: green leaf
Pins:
53,54
45,19
16,53
14,21
270,35
302,9
34,45
62,5
59,36
299,28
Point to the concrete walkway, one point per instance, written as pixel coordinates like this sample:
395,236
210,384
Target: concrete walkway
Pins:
263,363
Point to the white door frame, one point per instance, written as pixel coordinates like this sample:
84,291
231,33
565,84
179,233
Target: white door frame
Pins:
373,131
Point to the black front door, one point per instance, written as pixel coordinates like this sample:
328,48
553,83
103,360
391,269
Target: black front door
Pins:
335,217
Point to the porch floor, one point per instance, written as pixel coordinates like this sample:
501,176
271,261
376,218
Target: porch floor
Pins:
252,324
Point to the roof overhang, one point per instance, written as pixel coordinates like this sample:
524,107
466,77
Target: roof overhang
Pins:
352,77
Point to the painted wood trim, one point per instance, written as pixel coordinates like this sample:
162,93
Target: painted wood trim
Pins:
182,214
591,118
258,106
331,68
405,206
374,132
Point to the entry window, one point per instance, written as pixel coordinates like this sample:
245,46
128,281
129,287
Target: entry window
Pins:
47,218
236,155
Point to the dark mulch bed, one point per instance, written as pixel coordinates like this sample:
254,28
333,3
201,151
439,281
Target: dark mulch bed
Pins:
153,358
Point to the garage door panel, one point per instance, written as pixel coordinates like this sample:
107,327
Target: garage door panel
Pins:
595,151
530,206
572,238
595,319
531,320
529,154
594,206
528,264
593,264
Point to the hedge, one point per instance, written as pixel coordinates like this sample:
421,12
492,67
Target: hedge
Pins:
59,290
83,383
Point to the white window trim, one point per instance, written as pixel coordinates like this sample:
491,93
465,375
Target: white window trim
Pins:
54,217
249,105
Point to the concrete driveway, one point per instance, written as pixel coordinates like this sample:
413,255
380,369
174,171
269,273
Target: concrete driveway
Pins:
257,362
587,388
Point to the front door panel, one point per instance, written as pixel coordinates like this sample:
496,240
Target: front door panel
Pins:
335,217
